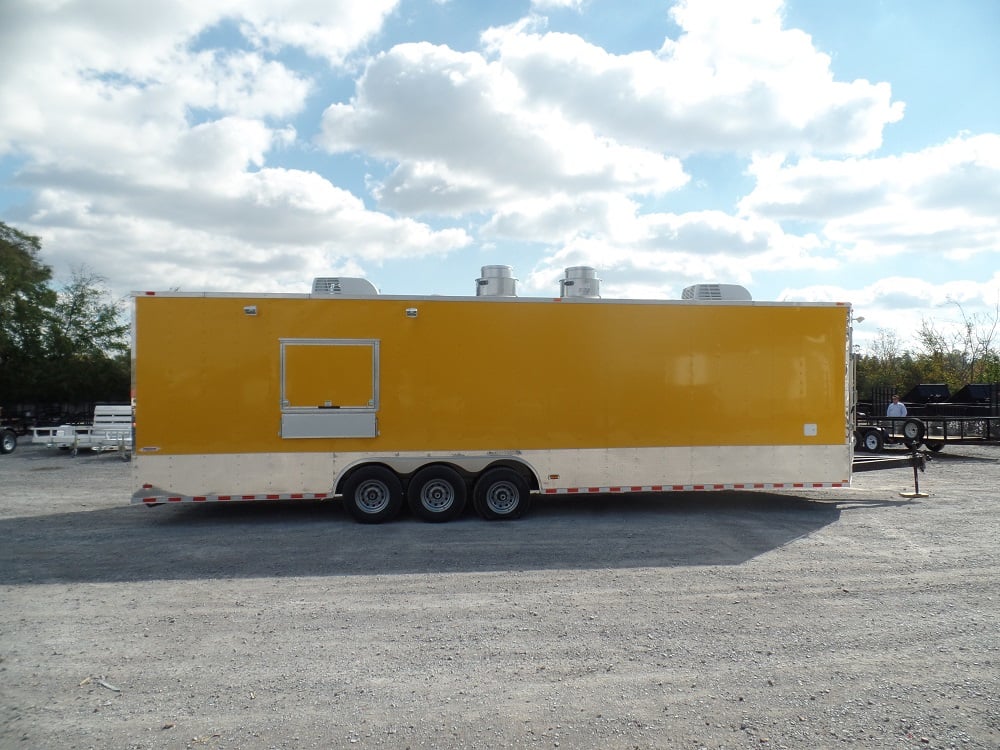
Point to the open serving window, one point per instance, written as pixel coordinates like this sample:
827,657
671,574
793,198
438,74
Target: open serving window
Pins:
329,388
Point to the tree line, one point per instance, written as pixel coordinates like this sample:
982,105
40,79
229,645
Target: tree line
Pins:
60,346
956,356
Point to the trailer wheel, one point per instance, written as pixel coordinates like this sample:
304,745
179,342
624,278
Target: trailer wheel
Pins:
934,445
8,442
373,494
872,440
437,494
501,494
913,430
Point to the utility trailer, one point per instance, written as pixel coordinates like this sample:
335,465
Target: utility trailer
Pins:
63,436
111,429
872,435
429,401
933,433
935,418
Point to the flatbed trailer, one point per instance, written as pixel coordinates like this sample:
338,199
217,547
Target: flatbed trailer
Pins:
933,432
430,401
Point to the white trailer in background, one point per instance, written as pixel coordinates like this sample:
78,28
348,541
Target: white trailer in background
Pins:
110,430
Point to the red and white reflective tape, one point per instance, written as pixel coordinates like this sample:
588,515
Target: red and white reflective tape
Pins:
157,499
693,488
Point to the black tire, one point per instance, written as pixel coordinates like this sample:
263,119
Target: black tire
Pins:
373,494
934,445
872,440
913,430
501,494
8,442
437,494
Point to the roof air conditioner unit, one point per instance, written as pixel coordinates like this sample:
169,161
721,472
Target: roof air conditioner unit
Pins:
717,293
343,286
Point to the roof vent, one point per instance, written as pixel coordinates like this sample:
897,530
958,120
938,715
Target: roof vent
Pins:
340,285
716,293
580,281
496,281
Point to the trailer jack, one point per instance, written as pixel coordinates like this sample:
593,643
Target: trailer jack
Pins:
915,459
919,462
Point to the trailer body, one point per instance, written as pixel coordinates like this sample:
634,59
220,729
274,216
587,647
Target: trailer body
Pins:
315,396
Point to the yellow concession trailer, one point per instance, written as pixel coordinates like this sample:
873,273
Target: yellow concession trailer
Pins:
433,401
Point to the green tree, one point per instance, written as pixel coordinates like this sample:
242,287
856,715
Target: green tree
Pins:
25,303
979,335
87,345
952,353
69,346
963,353
86,321
885,365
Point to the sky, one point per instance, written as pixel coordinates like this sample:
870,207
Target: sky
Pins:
807,150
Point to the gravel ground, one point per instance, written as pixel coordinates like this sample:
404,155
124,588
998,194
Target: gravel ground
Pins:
719,620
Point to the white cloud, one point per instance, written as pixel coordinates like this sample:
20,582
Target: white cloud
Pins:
464,139
80,79
329,29
906,292
279,226
656,255
149,154
220,150
735,80
544,5
940,200
247,85
559,141
904,303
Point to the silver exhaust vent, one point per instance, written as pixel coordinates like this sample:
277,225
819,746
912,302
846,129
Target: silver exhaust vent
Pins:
580,281
496,281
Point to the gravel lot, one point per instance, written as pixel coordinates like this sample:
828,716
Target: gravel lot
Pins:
724,620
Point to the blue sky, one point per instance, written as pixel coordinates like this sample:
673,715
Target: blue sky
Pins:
807,150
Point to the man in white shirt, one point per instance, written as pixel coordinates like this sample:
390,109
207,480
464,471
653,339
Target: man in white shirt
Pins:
896,408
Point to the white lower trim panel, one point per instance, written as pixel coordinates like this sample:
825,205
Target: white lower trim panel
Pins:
158,478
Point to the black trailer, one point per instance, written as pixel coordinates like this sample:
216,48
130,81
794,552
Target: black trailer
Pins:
935,418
